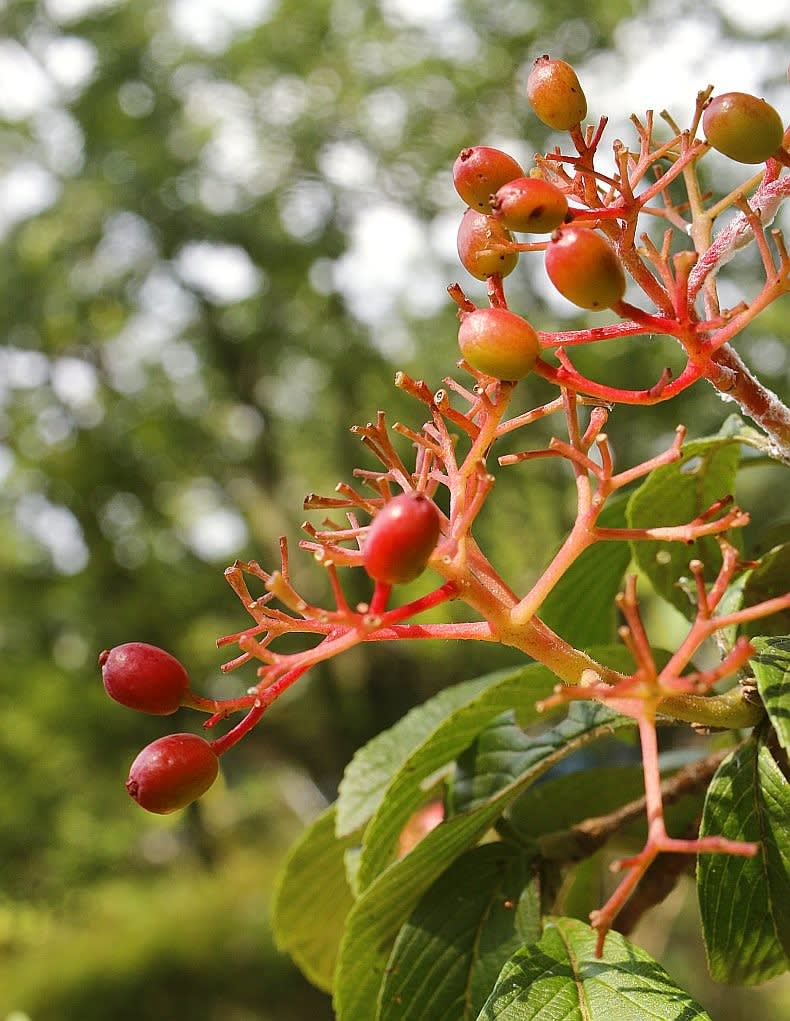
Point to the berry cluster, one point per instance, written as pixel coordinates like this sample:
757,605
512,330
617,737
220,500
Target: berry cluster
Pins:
588,227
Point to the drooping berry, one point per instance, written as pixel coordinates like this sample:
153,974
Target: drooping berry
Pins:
530,204
585,268
482,245
480,171
555,93
743,127
401,539
498,342
144,677
171,772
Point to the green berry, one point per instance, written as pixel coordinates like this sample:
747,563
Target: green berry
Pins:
144,677
555,93
498,342
480,171
530,204
482,245
585,268
743,127
171,772
401,539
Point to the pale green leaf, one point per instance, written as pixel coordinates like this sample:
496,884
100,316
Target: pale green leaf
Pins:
311,886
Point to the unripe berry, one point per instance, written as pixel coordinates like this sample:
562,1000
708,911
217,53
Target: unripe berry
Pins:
480,171
401,539
743,127
481,241
144,677
498,342
585,268
530,204
555,93
171,772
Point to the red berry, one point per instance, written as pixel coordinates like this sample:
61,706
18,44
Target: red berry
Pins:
144,677
498,342
480,171
481,245
585,268
555,93
743,127
401,539
530,204
171,772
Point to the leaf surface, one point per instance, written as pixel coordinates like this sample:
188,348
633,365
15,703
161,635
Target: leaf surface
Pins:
448,955
312,886
675,494
560,979
771,668
388,900
745,902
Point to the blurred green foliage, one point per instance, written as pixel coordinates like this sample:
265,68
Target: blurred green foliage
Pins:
191,316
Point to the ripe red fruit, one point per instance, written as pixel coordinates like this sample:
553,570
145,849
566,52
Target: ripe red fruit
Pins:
401,539
144,677
530,204
171,772
498,342
480,171
555,93
585,268
743,127
480,245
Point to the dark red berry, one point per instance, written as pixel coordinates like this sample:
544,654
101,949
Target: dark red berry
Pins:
555,93
498,342
530,204
585,268
743,127
483,245
480,171
171,772
401,539
144,677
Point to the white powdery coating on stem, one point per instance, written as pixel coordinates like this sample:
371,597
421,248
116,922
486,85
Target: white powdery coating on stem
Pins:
765,202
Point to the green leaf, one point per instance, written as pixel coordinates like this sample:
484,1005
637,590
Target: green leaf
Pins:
387,902
582,604
312,899
566,800
771,668
519,689
674,495
448,955
744,902
367,775
559,977
770,579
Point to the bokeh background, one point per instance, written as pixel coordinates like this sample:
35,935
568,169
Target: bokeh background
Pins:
225,224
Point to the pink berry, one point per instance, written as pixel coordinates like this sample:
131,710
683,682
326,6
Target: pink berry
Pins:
555,93
401,539
171,772
483,246
498,342
144,677
743,127
585,268
480,171
530,204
